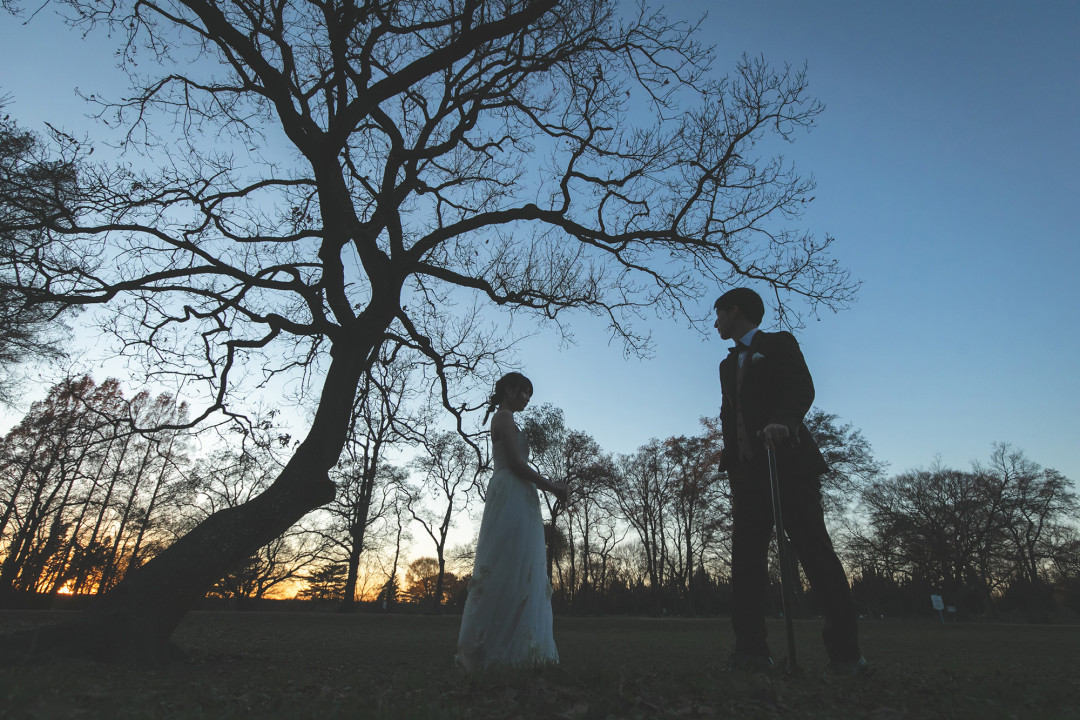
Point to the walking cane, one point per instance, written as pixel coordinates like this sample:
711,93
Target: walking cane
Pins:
787,582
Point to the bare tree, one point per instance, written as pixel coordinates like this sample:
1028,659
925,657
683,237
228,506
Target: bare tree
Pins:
397,534
348,173
277,564
544,428
698,504
388,411
1001,528
224,480
641,488
850,458
81,496
33,185
44,458
573,457
1033,501
448,477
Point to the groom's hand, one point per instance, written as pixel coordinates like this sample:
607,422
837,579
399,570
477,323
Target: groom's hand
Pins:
775,434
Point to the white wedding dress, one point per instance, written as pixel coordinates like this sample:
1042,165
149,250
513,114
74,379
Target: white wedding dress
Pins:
507,618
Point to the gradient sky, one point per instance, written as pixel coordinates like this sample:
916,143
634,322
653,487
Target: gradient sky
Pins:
946,164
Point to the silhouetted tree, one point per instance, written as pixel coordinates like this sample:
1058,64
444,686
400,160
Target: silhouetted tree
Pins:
43,460
84,498
591,527
36,187
448,475
346,174
944,530
1033,502
850,458
365,496
972,535
276,564
387,411
573,457
324,582
423,580
699,504
641,489
225,479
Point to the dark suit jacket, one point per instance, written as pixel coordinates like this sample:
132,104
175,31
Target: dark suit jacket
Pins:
776,388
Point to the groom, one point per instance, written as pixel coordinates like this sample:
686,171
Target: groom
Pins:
767,391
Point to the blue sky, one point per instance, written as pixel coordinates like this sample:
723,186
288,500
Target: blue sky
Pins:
946,165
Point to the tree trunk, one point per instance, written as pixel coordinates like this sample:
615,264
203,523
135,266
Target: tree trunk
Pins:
391,582
357,533
133,559
348,599
22,543
24,474
438,607
83,576
116,555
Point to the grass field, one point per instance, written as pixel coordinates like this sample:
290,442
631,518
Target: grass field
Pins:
315,665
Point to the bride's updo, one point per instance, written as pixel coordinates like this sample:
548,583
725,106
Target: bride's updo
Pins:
507,383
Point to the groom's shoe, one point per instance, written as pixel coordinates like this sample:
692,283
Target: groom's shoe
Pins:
745,662
847,668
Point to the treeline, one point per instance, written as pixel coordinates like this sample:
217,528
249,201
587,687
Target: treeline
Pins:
650,531
93,484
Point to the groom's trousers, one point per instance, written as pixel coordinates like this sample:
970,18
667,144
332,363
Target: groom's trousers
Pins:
804,523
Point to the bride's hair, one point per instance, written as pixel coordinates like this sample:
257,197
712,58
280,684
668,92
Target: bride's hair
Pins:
507,383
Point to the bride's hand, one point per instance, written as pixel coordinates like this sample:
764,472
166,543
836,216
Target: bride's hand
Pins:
561,491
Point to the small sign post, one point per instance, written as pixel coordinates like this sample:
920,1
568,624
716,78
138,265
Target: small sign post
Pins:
939,605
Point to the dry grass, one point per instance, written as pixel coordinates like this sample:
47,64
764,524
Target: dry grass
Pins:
314,665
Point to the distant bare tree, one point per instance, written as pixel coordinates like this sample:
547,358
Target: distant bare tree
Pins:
448,477
225,479
642,490
389,410
34,185
699,504
276,565
849,456
83,499
1033,502
1005,528
573,457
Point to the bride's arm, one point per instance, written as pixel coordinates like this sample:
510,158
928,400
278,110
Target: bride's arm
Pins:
505,431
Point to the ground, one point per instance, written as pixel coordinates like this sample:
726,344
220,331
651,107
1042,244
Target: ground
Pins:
323,665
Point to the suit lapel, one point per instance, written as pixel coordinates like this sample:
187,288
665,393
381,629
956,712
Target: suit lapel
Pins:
729,369
728,374
748,361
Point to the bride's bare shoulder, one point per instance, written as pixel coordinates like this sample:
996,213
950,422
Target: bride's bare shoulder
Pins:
502,425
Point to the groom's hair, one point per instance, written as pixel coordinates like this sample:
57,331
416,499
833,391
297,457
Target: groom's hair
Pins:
748,302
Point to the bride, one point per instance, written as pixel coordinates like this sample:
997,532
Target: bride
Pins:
507,617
